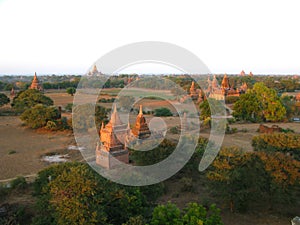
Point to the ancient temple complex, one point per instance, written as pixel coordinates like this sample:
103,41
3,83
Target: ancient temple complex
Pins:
220,92
94,71
114,139
35,83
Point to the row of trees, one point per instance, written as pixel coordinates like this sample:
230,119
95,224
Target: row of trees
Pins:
244,179
72,193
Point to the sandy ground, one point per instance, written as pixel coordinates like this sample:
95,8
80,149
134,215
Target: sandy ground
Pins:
29,146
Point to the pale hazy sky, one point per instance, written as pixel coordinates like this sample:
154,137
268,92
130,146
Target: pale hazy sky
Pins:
68,36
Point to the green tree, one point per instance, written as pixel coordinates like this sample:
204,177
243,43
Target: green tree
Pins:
71,90
167,214
29,98
260,103
210,107
193,214
248,108
73,193
163,112
3,99
39,115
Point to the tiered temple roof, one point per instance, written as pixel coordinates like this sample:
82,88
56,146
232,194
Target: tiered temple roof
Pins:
141,129
35,83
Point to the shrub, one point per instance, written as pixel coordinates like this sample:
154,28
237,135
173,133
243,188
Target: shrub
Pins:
162,112
39,115
281,142
18,183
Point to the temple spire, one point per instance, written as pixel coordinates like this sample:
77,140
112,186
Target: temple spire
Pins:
141,110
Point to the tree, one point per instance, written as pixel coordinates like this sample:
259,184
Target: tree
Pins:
39,115
260,103
167,214
247,108
3,99
241,178
71,90
72,193
163,112
29,98
193,214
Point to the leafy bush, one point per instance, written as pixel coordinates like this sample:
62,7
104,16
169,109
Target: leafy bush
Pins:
241,178
89,198
29,98
231,99
162,112
175,130
3,99
193,214
18,183
69,107
39,115
281,142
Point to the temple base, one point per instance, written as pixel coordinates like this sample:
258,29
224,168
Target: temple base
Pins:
111,160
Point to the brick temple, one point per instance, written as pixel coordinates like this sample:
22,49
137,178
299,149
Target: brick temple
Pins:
115,136
35,84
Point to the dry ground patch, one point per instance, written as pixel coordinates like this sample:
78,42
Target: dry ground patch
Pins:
21,148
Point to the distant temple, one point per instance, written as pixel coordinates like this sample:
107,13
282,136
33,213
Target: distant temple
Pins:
115,137
220,92
94,71
242,73
12,93
35,83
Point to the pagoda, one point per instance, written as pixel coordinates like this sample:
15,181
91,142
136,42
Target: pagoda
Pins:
141,129
193,92
35,83
94,71
111,147
12,93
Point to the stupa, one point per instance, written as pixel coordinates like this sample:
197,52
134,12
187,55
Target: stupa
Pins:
35,83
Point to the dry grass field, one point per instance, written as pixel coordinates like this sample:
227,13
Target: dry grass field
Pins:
22,148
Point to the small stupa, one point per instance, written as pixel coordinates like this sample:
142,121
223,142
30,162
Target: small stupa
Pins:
141,129
35,83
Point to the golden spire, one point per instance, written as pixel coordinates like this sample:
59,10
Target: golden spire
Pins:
141,110
115,119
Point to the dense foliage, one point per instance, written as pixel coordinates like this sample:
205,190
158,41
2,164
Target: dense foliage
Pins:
29,98
281,142
3,99
39,115
259,104
143,158
194,214
242,178
163,112
72,193
71,90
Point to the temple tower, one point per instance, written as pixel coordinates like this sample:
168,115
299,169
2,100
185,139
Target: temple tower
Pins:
193,93
214,83
35,83
141,129
111,148
225,82
12,93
